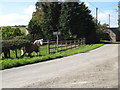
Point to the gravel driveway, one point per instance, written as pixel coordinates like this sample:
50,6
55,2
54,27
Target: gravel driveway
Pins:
94,69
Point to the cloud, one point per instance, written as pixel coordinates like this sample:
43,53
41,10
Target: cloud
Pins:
103,15
29,10
14,19
17,18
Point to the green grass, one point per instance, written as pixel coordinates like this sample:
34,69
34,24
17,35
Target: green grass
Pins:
105,41
9,63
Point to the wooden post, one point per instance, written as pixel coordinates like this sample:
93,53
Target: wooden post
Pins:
70,44
66,44
60,46
81,41
57,46
84,41
48,45
75,43
78,42
16,53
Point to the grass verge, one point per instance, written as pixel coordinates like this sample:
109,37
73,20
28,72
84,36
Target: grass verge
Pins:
9,63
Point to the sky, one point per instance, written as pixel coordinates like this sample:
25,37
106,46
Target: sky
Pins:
19,12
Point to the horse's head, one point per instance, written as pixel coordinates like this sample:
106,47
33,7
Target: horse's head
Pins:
38,42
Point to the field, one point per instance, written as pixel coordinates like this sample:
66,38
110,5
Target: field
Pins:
44,56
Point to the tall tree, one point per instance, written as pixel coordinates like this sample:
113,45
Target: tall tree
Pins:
73,19
66,19
35,25
76,20
51,19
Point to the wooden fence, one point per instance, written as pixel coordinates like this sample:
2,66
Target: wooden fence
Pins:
49,47
53,46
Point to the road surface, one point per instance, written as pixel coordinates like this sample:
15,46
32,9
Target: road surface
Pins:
94,69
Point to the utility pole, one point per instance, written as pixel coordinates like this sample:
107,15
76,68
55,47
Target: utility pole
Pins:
109,20
119,15
96,16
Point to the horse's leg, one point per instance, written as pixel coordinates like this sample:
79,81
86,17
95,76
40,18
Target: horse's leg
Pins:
8,52
5,54
29,54
37,53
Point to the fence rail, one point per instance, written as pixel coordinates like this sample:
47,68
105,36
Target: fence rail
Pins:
53,47
48,47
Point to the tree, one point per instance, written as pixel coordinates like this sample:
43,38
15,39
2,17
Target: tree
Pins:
65,19
10,33
51,19
101,31
73,19
76,21
35,26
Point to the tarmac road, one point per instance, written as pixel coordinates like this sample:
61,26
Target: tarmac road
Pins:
94,69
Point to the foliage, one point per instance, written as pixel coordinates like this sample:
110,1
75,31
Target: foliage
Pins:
51,19
73,19
34,29
35,26
101,31
9,63
14,44
76,20
66,19
10,33
18,37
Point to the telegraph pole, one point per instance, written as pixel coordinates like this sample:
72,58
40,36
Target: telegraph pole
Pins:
96,16
109,20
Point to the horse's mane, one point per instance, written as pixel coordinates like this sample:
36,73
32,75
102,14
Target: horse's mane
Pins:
38,42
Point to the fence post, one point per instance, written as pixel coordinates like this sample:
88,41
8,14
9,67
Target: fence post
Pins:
48,45
84,41
16,53
81,41
74,43
78,42
71,43
57,46
66,44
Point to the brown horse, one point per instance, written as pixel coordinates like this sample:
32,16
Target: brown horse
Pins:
33,47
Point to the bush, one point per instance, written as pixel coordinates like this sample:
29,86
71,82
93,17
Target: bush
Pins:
18,37
14,44
9,33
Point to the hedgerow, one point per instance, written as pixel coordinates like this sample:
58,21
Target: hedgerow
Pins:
14,44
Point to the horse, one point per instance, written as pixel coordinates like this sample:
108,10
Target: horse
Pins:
33,47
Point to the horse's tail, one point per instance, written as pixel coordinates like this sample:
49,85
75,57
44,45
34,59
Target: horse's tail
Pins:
22,50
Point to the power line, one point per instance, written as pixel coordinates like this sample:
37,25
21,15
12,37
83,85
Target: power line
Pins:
99,9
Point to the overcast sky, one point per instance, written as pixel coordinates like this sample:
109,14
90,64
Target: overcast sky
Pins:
14,12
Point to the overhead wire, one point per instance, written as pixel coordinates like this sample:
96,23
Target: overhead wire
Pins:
99,9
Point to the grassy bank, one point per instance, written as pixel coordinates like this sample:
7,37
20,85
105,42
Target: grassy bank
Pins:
9,63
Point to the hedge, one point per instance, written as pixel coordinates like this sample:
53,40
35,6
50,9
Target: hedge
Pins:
14,44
